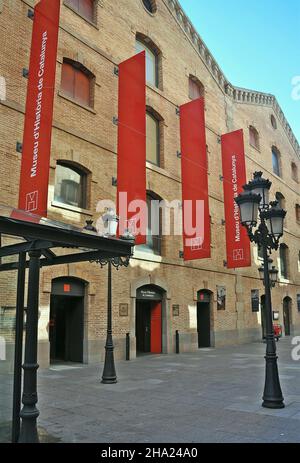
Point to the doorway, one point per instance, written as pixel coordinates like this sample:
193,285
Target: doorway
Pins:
287,309
148,321
203,319
66,325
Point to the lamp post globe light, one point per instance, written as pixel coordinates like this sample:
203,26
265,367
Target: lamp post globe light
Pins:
264,223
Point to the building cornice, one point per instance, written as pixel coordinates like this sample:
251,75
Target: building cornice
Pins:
239,95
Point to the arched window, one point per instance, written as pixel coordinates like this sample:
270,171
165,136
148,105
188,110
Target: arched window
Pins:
254,137
150,5
153,138
196,88
85,8
283,257
70,185
276,161
294,169
281,199
273,122
77,82
152,58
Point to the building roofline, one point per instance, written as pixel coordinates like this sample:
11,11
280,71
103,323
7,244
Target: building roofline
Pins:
238,94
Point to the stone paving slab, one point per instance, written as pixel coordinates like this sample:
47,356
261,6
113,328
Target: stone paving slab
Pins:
209,396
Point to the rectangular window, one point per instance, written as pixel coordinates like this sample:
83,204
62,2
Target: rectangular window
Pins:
76,83
298,302
83,7
194,90
221,297
152,139
255,300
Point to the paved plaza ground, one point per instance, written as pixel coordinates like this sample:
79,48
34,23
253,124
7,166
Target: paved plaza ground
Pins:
213,395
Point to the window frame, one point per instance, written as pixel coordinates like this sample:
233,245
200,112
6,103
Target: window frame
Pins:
158,122
253,134
92,21
294,169
273,122
156,248
78,67
83,173
153,7
198,84
284,261
147,43
276,153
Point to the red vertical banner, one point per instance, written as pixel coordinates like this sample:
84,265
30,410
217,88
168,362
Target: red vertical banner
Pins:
131,173
195,202
33,192
234,177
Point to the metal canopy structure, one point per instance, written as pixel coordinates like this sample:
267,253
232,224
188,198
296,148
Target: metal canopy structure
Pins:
41,234
41,242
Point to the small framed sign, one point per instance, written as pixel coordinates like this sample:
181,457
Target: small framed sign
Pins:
175,309
123,310
275,315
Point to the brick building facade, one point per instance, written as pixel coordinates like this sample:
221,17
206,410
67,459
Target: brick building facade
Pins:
84,143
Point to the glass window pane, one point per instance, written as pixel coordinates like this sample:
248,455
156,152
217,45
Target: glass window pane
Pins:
68,186
151,73
86,8
152,145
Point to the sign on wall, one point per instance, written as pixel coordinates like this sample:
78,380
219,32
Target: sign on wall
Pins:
148,293
33,192
234,178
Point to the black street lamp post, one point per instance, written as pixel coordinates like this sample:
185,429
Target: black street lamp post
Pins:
111,223
29,412
109,371
252,202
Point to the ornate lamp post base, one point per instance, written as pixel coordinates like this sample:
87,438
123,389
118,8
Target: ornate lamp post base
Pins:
109,372
272,397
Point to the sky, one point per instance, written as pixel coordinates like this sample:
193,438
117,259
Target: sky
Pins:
257,45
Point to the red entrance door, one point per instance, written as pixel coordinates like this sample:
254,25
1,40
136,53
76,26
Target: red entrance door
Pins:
156,344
